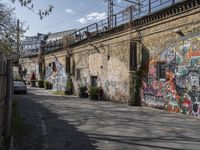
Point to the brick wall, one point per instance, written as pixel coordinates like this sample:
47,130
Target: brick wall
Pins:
107,57
179,90
108,61
31,65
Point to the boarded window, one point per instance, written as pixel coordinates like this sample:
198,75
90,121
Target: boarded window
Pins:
68,64
78,74
93,80
161,70
133,56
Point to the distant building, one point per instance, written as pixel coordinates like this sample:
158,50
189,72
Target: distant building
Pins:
54,40
30,45
30,48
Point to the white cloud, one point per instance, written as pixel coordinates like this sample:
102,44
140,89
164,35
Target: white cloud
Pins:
82,20
119,1
95,16
70,11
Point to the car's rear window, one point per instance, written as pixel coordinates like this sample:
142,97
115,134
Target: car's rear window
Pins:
18,83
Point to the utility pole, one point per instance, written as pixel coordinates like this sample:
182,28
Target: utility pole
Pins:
41,61
18,37
138,3
139,6
149,6
110,13
18,49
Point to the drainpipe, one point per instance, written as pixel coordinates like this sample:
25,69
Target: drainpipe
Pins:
41,61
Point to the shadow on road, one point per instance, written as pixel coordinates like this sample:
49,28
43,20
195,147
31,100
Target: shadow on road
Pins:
81,124
60,135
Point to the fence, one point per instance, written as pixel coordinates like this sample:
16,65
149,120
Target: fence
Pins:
5,96
143,8
2,94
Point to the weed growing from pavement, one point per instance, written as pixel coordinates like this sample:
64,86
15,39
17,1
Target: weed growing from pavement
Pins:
61,93
2,147
16,125
4,143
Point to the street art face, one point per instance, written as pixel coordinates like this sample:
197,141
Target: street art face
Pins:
180,90
55,73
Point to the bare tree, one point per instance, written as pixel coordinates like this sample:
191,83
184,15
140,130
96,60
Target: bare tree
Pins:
29,4
7,28
8,23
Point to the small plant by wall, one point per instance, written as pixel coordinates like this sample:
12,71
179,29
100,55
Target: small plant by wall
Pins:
93,92
135,99
69,86
48,85
83,92
41,83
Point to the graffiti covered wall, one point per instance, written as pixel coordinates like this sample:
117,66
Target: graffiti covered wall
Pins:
180,90
55,74
108,62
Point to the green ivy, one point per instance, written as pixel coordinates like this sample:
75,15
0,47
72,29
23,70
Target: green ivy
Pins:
135,99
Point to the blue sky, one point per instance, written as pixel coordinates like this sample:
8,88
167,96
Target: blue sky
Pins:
67,14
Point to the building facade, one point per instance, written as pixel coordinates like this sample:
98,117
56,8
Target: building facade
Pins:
163,44
30,47
40,53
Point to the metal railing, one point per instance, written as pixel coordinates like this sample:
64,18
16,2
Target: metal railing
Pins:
146,7
46,48
131,13
51,46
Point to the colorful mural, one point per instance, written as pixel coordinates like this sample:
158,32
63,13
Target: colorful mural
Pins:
180,90
55,73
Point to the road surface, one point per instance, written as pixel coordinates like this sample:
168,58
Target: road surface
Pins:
70,123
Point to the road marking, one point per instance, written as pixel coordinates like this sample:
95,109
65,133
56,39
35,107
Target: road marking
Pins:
44,132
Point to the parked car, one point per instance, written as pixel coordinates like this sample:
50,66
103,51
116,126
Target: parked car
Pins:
20,87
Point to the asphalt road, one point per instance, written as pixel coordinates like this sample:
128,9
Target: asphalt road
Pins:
69,123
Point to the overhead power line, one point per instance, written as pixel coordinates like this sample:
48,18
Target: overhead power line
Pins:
71,18
110,13
136,3
119,6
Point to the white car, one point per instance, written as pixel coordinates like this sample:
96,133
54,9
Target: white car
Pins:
20,87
